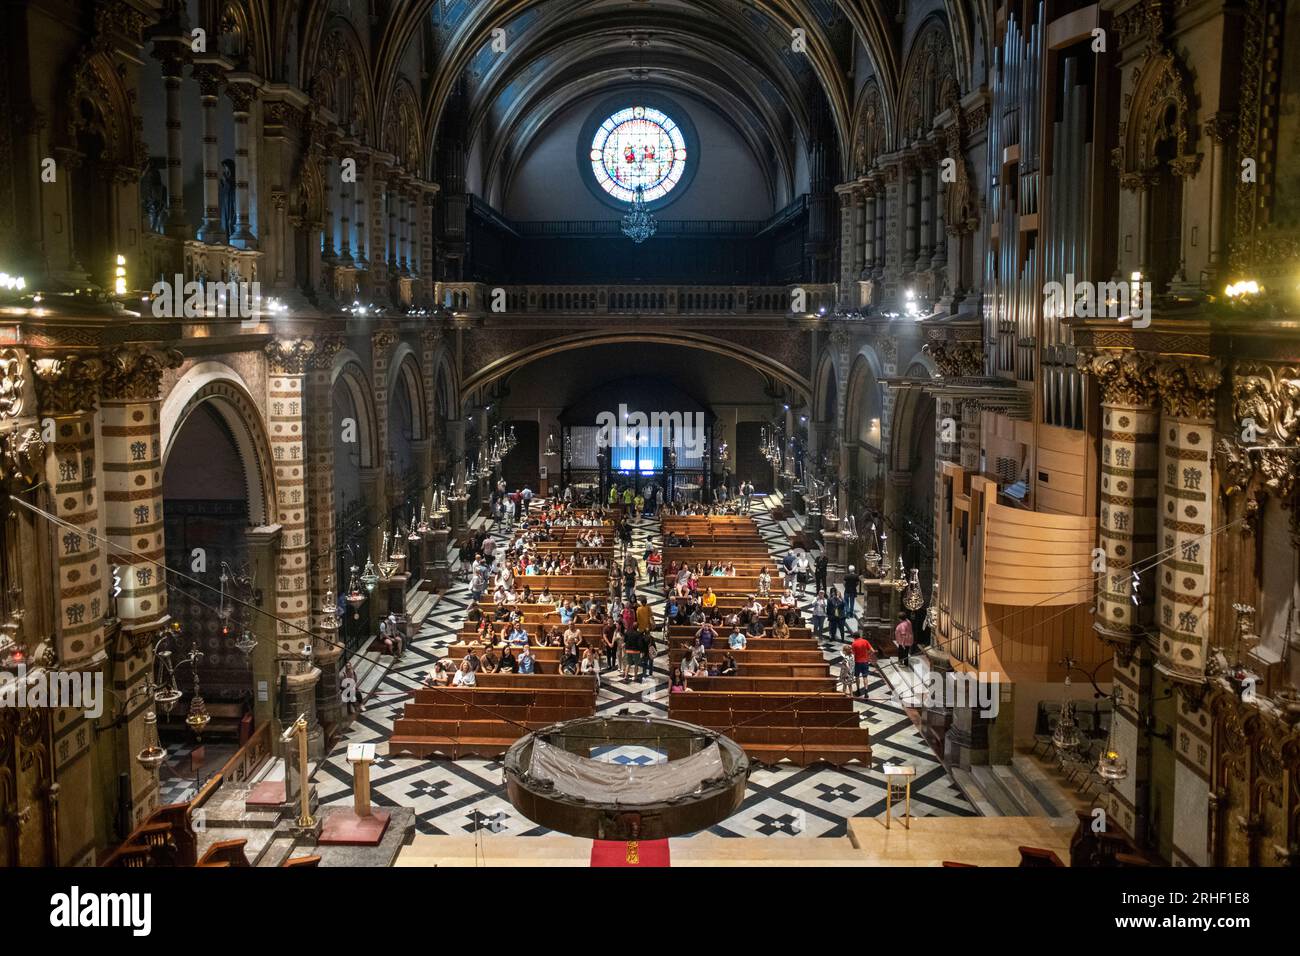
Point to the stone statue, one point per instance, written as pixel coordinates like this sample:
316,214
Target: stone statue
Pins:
226,197
153,198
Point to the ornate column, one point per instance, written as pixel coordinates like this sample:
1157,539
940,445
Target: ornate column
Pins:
847,251
1187,388
66,391
173,67
286,367
319,426
210,80
1129,463
939,240
241,98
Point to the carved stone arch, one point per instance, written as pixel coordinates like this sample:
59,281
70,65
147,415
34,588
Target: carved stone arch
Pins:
864,395
910,404
98,103
341,80
1160,108
404,371
826,391
402,133
871,129
930,82
348,373
221,387
235,35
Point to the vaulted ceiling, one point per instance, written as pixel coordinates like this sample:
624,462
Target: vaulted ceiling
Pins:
736,53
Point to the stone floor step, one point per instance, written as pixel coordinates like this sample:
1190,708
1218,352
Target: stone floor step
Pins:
997,793
974,793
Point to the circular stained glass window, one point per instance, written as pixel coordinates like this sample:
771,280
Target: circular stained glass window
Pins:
638,146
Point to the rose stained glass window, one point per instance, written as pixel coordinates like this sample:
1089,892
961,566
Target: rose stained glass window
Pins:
638,146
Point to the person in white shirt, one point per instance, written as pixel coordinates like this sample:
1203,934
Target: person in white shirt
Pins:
465,676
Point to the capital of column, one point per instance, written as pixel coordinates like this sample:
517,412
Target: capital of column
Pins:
289,356
1126,377
135,372
1187,386
65,386
241,95
210,79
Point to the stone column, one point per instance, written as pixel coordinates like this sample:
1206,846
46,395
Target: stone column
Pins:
1129,461
392,200
869,236
345,212
859,234
939,240
210,80
287,361
241,98
404,230
173,66
1221,128
911,215
923,247
847,250
329,251
263,558
359,209
67,393
319,428
878,266
1187,388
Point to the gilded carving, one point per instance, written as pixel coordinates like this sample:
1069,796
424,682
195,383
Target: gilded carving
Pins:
135,372
956,359
1187,386
1266,405
289,356
69,384
1126,377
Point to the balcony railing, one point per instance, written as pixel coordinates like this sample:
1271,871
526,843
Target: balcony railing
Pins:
478,298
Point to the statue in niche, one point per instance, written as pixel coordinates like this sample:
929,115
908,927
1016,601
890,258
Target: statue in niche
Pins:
226,196
153,197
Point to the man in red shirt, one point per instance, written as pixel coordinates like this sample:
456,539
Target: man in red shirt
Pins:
863,655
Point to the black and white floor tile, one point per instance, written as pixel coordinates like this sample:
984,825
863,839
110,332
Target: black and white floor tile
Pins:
464,796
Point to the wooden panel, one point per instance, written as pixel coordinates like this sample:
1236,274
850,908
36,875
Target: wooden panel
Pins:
1036,559
1057,502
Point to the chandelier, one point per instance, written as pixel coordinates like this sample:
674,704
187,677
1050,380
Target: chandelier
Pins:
912,597
638,224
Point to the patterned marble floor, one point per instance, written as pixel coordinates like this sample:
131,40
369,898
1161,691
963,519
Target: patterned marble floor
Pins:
468,795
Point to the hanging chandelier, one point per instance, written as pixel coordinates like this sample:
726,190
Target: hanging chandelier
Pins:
638,224
1065,738
912,597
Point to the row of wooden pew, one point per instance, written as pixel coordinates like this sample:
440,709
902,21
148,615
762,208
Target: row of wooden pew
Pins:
782,704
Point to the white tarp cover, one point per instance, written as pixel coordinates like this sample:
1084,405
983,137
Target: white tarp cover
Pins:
600,782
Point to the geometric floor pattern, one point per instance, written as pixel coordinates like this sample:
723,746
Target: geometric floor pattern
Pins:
468,795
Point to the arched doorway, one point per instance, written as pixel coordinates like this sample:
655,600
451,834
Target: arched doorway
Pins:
207,514
353,456
863,412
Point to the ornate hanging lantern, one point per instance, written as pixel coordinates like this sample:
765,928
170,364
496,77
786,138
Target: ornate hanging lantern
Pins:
1065,738
369,577
638,224
913,600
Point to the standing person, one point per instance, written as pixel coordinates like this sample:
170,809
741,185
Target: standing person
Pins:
819,572
644,616
863,655
851,583
634,643
835,614
802,569
819,613
903,638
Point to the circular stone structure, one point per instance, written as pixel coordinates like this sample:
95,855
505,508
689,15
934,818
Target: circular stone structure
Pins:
626,778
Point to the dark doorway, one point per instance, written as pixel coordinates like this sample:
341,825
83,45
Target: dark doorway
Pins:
751,466
519,468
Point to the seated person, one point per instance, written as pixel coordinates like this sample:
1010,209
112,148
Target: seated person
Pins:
728,668
782,630
490,663
527,663
706,635
737,640
465,675
508,664
518,636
